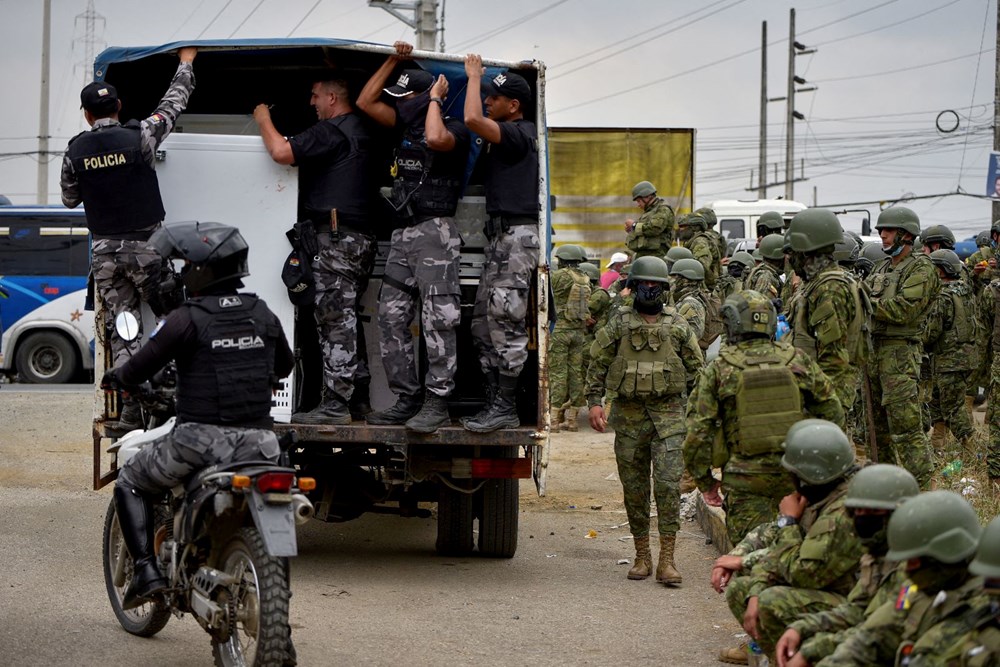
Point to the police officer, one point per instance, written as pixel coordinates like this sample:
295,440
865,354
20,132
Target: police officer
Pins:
510,158
692,232
571,294
421,271
766,277
224,390
335,195
110,169
645,359
653,233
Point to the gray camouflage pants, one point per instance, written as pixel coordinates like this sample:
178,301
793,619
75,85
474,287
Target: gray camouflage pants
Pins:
190,447
341,271
498,319
421,281
126,273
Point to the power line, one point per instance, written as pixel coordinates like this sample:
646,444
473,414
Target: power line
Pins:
975,81
888,25
228,2
311,10
496,31
186,21
855,77
252,12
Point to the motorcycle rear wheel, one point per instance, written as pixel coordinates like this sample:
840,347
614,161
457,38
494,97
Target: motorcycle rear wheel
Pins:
144,621
259,634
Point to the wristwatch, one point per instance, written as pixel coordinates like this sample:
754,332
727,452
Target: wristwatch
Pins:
784,520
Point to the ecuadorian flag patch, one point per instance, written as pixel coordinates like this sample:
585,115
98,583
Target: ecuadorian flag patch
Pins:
903,601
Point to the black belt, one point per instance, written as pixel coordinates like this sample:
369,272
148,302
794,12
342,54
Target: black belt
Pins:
323,226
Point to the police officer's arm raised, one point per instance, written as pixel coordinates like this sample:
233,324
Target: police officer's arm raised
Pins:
439,137
485,127
370,98
276,144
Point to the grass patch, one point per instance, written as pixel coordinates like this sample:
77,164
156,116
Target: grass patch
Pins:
972,481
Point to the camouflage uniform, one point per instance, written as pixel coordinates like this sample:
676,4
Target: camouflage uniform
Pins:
753,478
654,231
806,568
421,280
991,318
701,310
691,308
599,306
901,294
706,250
648,420
726,285
984,278
766,279
969,638
571,292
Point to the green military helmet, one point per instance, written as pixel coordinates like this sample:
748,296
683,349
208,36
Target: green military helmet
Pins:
938,234
899,217
983,240
757,257
649,268
847,251
918,245
881,487
873,252
744,258
676,253
693,220
772,247
571,253
771,221
624,271
688,268
748,312
591,271
938,524
987,560
949,261
995,227
643,189
817,451
814,229
710,217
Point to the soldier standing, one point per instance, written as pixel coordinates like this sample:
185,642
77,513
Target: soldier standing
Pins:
990,315
110,169
691,231
983,262
694,303
571,293
755,390
645,358
653,233
421,272
766,276
769,222
902,288
739,266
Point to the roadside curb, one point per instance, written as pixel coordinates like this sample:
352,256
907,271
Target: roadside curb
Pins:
713,523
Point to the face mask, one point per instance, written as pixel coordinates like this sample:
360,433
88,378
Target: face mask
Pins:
736,269
933,576
872,529
649,299
815,493
798,262
685,233
413,110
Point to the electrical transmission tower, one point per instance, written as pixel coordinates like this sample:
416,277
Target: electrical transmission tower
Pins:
88,39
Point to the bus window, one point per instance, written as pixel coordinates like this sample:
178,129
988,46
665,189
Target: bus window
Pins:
35,246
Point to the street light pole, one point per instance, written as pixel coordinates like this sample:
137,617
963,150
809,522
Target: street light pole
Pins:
43,113
424,18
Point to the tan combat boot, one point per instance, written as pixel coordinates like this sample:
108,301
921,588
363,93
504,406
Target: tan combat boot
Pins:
643,560
556,420
938,433
666,573
572,419
735,655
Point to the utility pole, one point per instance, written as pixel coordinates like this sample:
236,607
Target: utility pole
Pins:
996,111
423,21
43,115
762,162
90,18
791,115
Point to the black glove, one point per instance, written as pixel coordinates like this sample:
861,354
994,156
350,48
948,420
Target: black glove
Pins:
109,381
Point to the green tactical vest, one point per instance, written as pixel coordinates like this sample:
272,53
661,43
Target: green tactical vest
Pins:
885,281
643,245
927,611
857,330
576,309
963,326
646,365
713,318
768,401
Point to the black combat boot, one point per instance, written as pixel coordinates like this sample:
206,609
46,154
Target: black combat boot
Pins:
329,411
130,418
492,389
504,412
135,518
433,415
404,408
360,405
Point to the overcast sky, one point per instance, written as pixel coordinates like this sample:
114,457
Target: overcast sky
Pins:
886,71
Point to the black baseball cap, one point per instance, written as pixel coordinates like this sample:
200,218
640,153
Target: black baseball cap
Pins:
508,84
99,97
411,81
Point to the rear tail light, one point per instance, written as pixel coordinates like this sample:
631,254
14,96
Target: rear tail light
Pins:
275,482
501,468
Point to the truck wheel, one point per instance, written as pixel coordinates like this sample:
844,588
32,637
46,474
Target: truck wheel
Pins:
454,536
498,520
45,358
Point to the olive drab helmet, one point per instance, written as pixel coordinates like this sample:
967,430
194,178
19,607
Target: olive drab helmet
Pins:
677,252
643,189
938,524
938,234
983,240
749,313
817,452
995,227
711,219
772,247
591,271
987,560
744,258
873,252
688,268
899,217
948,261
649,268
693,220
881,487
214,252
570,253
770,222
814,229
847,251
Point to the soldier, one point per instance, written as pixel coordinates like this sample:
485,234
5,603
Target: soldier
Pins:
870,255
990,316
769,222
872,496
645,358
903,285
846,252
711,220
691,230
950,337
754,391
653,233
766,276
828,316
739,266
694,303
421,271
110,169
810,554
983,262
510,157
599,307
935,534
336,186
571,293
676,253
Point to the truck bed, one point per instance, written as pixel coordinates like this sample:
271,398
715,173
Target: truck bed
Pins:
398,435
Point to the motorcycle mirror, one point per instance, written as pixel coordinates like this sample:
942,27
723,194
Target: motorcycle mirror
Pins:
127,326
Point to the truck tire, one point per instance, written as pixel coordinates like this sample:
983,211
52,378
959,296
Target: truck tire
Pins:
46,358
498,518
454,535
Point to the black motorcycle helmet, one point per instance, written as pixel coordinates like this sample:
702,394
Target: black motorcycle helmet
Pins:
214,252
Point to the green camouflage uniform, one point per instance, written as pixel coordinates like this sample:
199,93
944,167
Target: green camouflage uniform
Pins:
901,296
788,288
981,280
654,231
691,308
751,446
898,623
969,638
990,316
706,250
950,337
807,568
766,279
648,416
599,306
727,285
571,292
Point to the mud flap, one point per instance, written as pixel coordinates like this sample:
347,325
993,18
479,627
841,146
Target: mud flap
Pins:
276,525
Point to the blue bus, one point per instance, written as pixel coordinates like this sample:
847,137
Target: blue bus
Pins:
46,333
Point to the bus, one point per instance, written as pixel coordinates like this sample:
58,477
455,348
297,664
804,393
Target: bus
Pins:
46,331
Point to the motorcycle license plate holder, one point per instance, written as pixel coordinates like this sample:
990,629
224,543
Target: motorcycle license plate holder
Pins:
276,525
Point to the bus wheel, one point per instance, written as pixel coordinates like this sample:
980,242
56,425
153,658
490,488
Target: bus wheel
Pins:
45,358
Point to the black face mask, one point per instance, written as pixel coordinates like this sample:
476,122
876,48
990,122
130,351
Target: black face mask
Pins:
872,529
735,269
649,299
814,493
413,110
933,576
798,263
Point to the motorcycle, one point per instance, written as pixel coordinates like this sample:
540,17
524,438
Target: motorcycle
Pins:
222,541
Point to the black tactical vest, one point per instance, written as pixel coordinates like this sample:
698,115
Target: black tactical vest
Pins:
119,188
426,183
343,181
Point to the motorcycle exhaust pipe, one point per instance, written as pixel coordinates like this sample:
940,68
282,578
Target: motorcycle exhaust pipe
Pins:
303,508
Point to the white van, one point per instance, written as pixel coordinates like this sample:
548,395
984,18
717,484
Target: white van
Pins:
738,217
